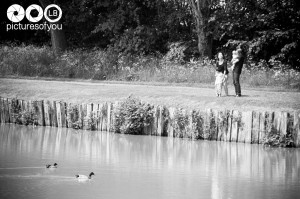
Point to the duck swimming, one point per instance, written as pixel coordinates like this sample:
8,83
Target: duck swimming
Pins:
49,166
84,177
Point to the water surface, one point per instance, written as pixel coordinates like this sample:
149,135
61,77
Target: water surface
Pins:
132,167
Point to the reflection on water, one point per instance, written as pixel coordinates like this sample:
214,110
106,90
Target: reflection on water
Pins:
140,166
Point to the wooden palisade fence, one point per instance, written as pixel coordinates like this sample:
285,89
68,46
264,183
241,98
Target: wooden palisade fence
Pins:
219,125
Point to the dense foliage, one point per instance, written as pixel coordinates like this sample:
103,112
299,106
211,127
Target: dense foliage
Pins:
269,28
132,115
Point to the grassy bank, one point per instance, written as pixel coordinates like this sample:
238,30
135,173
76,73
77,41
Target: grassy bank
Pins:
86,91
33,61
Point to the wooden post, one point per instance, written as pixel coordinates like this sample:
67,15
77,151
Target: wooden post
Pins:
21,104
81,115
27,106
280,122
227,136
84,116
199,118
14,110
47,113
70,115
206,124
235,126
89,109
214,124
222,123
219,123
58,114
277,121
103,115
53,113
151,128
245,127
296,128
21,108
6,110
112,116
270,116
39,112
100,116
191,128
29,109
155,121
284,123
166,121
96,115
160,121
63,114
10,110
262,127
2,108
171,122
255,128
108,117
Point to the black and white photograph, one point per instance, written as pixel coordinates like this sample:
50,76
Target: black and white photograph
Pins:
150,99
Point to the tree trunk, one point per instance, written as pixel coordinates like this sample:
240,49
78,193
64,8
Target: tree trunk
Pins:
201,14
58,39
204,43
204,39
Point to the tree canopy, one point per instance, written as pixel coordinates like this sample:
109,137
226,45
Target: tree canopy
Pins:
269,28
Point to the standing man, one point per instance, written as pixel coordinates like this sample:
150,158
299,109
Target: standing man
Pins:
237,70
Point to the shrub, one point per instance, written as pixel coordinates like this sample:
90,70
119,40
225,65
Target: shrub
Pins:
73,117
175,53
181,123
91,121
111,65
197,125
29,118
132,115
274,139
76,122
26,60
25,117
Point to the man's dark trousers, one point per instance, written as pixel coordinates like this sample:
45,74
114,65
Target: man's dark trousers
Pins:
236,83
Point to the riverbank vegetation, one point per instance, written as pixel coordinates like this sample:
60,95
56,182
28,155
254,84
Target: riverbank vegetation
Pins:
133,116
33,61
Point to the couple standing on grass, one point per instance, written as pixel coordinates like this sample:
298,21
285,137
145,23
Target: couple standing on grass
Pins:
237,62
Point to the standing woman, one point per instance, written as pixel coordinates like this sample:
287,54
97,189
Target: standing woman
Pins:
221,75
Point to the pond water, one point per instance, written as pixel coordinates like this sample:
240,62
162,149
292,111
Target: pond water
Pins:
128,166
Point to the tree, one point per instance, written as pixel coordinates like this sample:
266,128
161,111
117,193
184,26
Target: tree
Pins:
142,26
201,10
270,28
58,39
